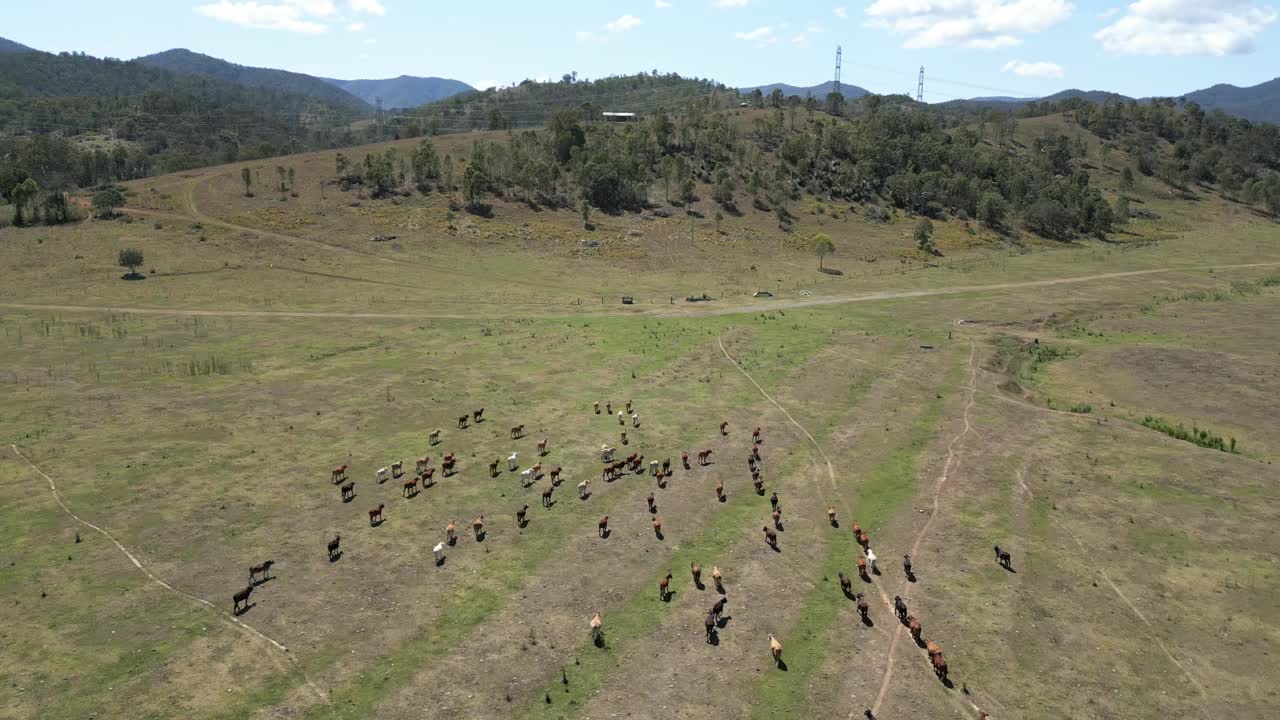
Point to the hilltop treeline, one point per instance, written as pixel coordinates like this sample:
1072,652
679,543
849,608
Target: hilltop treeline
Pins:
143,120
878,151
532,103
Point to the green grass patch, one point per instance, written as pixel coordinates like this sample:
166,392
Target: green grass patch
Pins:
887,486
1199,436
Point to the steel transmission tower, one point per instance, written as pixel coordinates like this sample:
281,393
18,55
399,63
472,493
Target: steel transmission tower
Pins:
837,86
920,86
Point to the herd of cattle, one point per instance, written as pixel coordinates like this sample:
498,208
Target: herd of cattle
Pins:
612,469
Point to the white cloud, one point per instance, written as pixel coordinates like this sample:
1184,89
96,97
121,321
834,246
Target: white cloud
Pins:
622,24
356,27
373,7
661,4
841,12
761,36
723,4
1187,27
587,37
1033,69
972,23
1108,13
300,16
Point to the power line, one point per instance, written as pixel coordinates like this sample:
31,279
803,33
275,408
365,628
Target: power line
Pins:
920,86
837,86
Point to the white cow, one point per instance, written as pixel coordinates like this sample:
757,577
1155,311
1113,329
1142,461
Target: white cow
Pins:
635,419
606,453
582,490
527,477
438,552
653,467
382,475
511,462
620,420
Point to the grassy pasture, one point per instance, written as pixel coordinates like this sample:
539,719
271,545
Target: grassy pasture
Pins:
203,444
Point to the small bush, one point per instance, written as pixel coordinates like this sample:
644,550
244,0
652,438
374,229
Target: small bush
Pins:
1200,437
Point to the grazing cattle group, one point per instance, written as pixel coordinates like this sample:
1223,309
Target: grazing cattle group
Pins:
613,470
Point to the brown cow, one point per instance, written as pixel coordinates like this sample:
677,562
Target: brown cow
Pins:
521,515
914,626
493,469
696,570
597,628
758,483
462,421
755,436
939,666
451,532
862,569
375,514
339,474
770,537
720,490
603,526
932,648
657,527
704,456
831,515
863,609
684,460
777,519
542,447
428,477
421,463
664,587
477,526
410,487
555,474
864,541
846,585
653,508
478,415
546,495
334,545
435,437
775,649
773,501
724,427
264,570
348,490
717,578
517,431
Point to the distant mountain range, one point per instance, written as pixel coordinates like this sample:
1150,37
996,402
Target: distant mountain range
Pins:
185,62
405,91
1260,103
401,92
820,91
9,46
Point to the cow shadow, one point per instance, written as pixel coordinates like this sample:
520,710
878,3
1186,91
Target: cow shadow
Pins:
335,557
604,534
723,622
262,581
668,596
522,524
599,641
1009,568
866,620
724,498
720,589
920,643
480,536
911,577
948,684
440,562
782,665
377,523
584,496
835,524
453,541
776,548
713,638
848,595
780,527
658,534
699,584
349,498
245,609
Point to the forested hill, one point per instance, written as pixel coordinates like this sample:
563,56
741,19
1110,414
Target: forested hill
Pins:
185,62
873,152
145,120
9,46
532,103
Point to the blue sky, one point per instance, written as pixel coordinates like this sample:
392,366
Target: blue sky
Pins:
969,47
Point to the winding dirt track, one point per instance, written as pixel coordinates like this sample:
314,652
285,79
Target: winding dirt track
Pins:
780,304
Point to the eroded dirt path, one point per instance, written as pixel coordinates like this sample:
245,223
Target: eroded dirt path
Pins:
222,614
